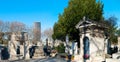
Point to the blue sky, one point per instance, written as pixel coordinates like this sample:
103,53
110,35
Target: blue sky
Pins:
45,11
112,8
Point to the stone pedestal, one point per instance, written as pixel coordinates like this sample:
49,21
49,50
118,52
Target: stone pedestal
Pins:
39,52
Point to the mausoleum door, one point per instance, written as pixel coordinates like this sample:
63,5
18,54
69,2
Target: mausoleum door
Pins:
108,46
86,49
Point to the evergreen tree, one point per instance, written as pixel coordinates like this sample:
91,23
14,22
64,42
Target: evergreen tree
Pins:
112,29
72,14
118,32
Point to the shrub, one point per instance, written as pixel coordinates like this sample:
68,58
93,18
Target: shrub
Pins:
60,48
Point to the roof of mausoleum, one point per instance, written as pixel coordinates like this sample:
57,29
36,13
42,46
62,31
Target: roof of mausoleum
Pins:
88,23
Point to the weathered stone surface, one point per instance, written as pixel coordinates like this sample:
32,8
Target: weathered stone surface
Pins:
18,39
112,60
119,43
93,40
116,56
39,52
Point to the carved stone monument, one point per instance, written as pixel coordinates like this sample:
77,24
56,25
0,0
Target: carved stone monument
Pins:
18,43
93,41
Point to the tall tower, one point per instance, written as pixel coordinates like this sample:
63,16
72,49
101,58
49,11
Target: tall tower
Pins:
37,32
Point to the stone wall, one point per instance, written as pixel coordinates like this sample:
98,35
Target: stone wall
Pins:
96,46
119,43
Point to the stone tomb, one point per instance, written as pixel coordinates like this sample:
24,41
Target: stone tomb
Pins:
18,39
93,41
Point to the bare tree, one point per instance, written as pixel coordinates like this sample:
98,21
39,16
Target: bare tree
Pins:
1,26
1,31
7,26
17,27
47,33
30,32
36,32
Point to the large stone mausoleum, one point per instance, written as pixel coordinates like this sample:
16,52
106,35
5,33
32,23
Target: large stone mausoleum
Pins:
93,41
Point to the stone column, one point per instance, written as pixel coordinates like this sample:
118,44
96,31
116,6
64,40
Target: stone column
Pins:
81,48
119,43
105,45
